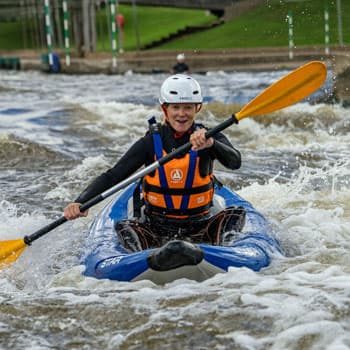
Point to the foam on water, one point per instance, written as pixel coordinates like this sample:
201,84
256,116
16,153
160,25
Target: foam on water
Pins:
310,214
289,308
113,117
12,224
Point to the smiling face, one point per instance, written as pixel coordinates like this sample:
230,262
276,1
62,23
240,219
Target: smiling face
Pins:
180,116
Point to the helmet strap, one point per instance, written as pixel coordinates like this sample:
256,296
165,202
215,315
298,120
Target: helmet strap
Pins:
164,110
199,107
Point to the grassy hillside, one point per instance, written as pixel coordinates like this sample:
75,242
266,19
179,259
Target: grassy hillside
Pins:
264,26
154,23
268,26
11,36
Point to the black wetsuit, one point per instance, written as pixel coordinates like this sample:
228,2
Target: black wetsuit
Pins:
142,153
180,68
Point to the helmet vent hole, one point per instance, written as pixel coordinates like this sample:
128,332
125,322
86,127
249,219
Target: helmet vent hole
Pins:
173,92
195,92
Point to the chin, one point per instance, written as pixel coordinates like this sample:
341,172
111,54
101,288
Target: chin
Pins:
182,127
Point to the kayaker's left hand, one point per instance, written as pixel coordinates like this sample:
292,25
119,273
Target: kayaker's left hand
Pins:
199,141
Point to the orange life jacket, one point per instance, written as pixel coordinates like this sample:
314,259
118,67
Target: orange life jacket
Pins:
177,189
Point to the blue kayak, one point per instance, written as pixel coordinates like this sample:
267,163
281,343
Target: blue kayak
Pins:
106,258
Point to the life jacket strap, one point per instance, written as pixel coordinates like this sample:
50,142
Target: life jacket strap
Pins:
154,210
177,191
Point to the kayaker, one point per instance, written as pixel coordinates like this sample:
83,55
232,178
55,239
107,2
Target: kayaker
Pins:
180,66
177,197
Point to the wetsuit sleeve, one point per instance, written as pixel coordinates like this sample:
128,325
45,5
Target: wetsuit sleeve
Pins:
225,153
138,155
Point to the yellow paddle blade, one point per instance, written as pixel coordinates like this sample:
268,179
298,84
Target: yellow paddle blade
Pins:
10,251
290,89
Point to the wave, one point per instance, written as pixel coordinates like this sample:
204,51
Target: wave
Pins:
19,152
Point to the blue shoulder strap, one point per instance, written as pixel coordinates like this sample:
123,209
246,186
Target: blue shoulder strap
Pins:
158,149
189,179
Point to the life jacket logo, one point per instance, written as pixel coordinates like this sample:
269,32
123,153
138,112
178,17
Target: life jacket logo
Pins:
152,199
200,199
176,175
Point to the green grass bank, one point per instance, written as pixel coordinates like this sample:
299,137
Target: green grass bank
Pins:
267,25
264,26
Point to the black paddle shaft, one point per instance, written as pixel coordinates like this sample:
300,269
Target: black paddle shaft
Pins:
29,239
97,199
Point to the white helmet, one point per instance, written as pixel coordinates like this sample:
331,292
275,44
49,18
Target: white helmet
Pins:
180,57
180,88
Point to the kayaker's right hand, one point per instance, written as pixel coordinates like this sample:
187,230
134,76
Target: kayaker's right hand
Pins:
72,211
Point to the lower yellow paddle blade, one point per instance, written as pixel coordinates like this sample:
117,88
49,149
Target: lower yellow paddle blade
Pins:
292,88
10,251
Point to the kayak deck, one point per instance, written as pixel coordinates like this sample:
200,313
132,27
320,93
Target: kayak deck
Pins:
106,258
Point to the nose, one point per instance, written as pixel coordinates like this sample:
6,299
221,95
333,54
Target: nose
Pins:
182,110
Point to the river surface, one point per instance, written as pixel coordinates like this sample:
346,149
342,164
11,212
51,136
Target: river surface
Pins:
57,132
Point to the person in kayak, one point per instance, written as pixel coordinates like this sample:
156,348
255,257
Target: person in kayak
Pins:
177,197
180,66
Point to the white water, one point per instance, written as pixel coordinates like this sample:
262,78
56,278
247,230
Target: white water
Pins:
59,132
